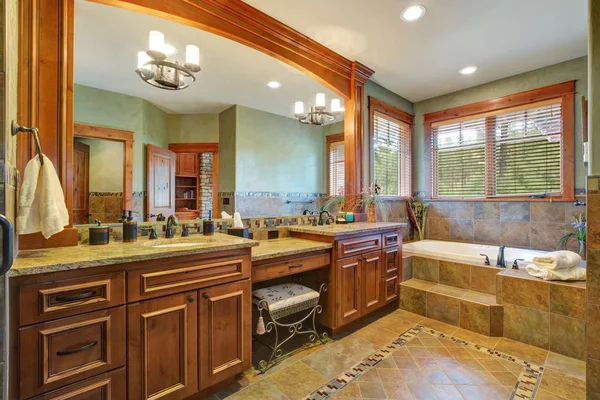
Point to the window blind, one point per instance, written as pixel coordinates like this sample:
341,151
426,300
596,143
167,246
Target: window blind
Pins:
515,152
392,155
336,168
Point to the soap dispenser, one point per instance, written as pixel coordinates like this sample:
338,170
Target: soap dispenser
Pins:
129,229
208,225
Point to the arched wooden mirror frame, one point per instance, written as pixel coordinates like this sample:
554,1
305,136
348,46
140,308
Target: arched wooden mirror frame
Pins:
46,73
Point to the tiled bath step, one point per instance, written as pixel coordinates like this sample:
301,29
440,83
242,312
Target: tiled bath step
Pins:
471,310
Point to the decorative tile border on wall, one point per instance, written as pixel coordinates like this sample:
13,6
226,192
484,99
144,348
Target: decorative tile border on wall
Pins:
106,194
525,388
536,225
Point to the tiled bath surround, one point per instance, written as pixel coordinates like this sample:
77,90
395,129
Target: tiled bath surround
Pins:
497,302
593,288
536,225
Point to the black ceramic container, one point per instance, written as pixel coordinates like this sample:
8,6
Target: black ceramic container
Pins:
99,233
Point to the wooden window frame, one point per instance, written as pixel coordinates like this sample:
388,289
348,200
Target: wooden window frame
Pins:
564,91
335,138
381,107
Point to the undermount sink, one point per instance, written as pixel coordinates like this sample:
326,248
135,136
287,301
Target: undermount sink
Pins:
181,242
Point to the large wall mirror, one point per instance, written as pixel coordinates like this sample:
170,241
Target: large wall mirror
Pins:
231,141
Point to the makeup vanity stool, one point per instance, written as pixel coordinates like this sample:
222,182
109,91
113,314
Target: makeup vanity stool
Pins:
275,303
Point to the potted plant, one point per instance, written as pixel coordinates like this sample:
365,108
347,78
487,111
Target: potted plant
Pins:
370,200
337,199
417,214
579,233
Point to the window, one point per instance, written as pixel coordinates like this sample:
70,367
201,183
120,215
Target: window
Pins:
335,165
391,154
518,151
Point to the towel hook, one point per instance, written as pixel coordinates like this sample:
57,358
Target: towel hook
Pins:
16,128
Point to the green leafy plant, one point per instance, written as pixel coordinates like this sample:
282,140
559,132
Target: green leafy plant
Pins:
370,196
579,233
417,214
337,199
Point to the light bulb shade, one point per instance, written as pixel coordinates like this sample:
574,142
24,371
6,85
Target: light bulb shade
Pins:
299,108
192,54
142,59
335,105
320,100
156,41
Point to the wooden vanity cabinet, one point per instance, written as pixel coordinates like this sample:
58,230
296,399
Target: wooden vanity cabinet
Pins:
174,327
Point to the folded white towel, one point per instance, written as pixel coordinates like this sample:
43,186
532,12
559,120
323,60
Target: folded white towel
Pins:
224,215
570,274
42,202
562,259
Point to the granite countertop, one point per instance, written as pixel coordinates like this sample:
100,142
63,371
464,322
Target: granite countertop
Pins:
41,261
286,247
346,229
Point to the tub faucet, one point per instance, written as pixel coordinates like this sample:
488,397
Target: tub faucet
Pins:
500,261
326,220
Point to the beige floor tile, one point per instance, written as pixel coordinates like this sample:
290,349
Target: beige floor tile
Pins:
389,375
438,326
413,376
260,391
460,353
371,390
408,316
370,376
448,363
431,342
406,363
497,392
461,377
471,365
493,365
505,378
436,376
562,385
472,392
476,338
567,365
394,324
354,347
440,353
416,342
546,395
387,363
297,380
396,390
526,352
446,392
421,391
426,363
419,352
329,362
376,335
402,352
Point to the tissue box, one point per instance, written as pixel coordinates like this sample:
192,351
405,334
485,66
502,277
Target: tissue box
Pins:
241,232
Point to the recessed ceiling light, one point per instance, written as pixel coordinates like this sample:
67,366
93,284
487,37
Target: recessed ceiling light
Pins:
468,70
413,13
273,84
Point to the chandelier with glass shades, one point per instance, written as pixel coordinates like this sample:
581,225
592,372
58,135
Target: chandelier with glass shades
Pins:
318,114
157,69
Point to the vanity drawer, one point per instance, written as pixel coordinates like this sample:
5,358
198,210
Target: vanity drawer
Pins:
58,299
58,353
109,386
359,245
392,239
289,267
390,289
164,280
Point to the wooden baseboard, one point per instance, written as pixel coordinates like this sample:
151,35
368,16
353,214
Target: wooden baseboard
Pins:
68,237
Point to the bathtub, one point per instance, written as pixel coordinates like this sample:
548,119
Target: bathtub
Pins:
465,252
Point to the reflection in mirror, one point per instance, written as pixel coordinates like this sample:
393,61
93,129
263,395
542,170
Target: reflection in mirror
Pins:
244,132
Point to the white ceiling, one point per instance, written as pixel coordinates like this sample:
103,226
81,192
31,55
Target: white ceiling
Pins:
107,40
420,60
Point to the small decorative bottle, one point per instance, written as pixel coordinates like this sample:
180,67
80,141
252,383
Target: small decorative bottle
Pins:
130,229
208,225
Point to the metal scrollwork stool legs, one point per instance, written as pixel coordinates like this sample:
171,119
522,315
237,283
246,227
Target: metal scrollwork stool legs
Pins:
294,328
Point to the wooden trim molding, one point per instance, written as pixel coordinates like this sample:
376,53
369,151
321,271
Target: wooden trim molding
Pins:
113,135
564,91
204,148
335,138
379,106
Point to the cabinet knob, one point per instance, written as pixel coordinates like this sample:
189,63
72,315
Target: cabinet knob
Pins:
191,299
206,295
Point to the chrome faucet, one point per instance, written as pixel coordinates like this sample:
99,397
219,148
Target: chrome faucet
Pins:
172,220
500,261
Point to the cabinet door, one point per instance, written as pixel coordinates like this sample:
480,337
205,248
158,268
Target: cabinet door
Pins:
163,347
390,288
348,292
371,281
225,331
187,164
391,261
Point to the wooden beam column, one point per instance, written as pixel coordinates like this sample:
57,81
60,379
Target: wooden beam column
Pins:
354,132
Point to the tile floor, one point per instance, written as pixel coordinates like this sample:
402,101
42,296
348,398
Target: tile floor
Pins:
406,356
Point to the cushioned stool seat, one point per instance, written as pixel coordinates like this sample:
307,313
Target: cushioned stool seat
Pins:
286,299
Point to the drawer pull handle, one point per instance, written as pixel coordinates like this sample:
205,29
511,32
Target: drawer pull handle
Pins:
81,296
77,350
191,299
206,295
296,266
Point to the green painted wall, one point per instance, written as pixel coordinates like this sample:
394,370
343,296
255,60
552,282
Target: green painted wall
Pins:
332,129
570,70
193,128
106,165
227,139
277,154
379,92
